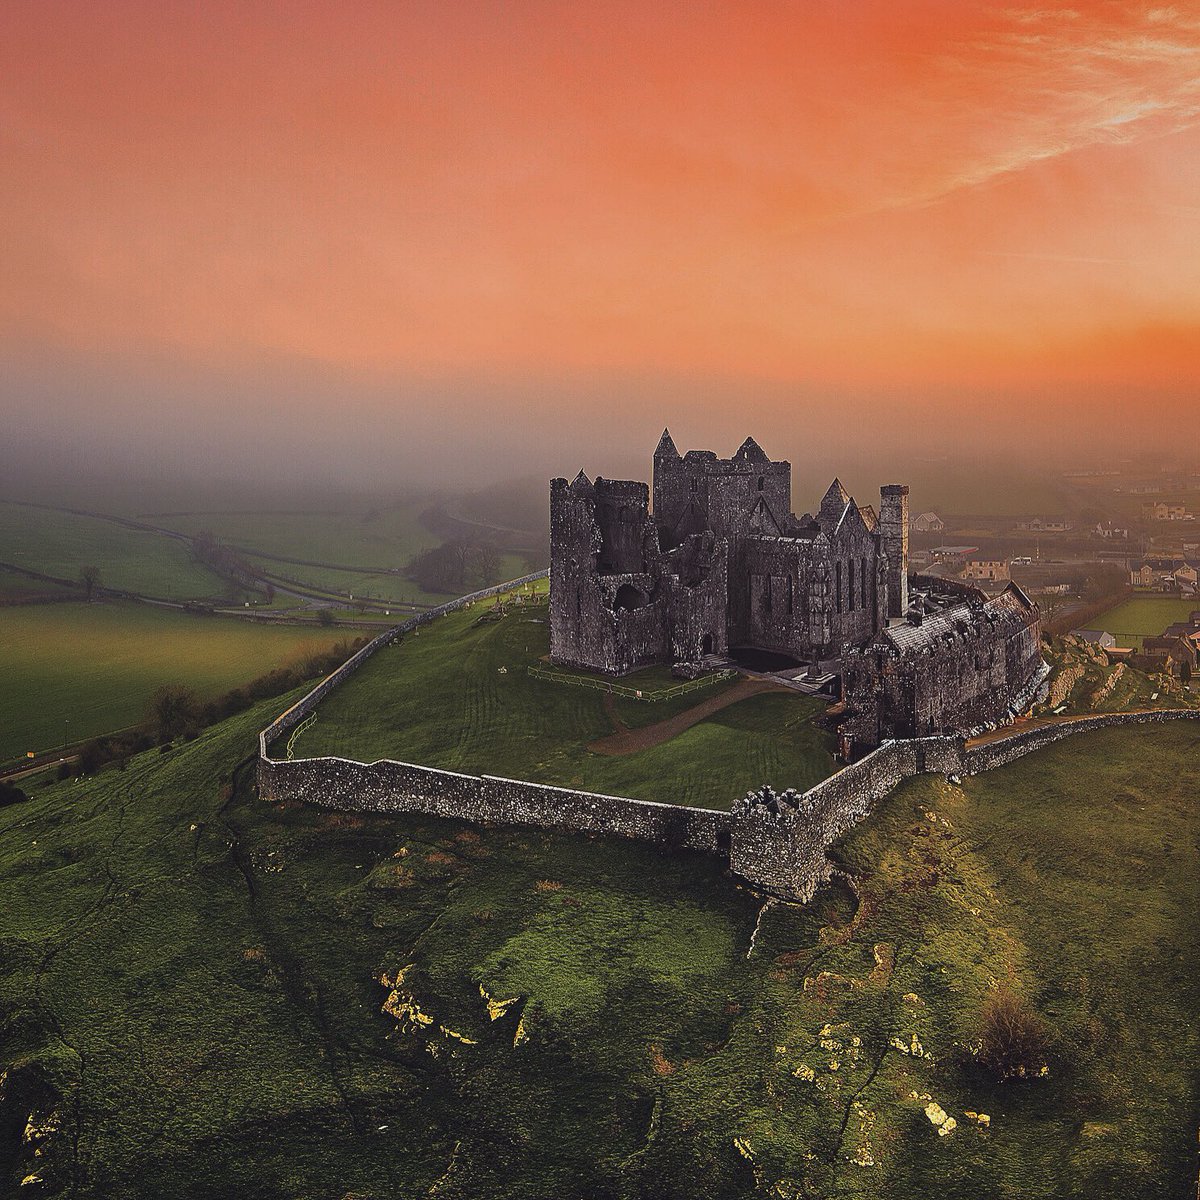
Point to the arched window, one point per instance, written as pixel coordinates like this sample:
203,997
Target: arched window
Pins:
761,481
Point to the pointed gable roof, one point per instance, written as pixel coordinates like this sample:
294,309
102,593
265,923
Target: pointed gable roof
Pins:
666,446
834,502
751,451
581,483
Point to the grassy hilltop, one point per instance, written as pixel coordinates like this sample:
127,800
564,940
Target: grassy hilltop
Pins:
457,695
202,995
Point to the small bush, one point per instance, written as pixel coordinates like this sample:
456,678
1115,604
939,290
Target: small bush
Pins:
10,794
1014,1042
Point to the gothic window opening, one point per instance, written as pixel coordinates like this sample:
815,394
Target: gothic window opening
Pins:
837,583
850,597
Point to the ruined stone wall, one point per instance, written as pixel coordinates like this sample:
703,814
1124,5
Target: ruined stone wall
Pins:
999,751
783,847
726,489
395,787
697,599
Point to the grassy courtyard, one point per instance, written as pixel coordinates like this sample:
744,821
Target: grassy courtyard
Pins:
1144,616
202,995
86,669
457,695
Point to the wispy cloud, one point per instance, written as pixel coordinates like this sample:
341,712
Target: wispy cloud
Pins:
1040,83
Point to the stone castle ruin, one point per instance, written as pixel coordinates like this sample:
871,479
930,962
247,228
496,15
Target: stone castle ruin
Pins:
720,565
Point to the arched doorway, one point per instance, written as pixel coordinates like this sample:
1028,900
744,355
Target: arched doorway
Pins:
706,644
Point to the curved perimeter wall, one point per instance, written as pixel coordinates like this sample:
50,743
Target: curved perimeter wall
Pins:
781,849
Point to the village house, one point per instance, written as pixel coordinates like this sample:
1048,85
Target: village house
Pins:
1111,532
928,522
988,570
1161,511
1166,574
1100,638
1045,525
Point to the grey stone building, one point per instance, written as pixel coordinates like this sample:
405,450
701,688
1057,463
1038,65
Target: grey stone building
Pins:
961,662
719,564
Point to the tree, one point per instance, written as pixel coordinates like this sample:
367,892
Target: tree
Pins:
173,711
325,617
89,579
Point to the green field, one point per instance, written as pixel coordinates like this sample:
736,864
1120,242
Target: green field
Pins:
377,588
87,669
191,1001
59,544
383,538
457,695
1144,616
20,587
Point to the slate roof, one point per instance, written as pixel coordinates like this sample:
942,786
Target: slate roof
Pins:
1010,610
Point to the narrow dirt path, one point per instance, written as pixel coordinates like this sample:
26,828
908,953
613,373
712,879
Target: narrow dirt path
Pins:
630,741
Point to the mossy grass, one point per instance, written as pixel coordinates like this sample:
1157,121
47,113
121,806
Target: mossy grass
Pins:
192,1005
457,695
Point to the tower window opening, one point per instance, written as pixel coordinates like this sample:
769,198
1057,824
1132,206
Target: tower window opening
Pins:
761,481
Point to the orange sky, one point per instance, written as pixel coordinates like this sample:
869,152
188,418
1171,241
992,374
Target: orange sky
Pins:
847,197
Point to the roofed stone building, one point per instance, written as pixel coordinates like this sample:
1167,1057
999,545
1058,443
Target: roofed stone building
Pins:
960,662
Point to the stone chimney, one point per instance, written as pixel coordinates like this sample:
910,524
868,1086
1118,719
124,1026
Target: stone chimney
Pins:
893,524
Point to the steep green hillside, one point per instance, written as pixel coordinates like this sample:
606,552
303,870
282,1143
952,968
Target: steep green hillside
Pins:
201,995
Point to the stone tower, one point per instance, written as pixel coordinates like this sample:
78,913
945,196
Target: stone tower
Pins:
893,524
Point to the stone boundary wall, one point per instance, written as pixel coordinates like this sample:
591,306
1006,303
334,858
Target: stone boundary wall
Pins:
1024,741
396,787
781,849
307,703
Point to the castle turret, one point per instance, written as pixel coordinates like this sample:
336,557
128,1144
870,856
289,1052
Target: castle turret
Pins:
893,524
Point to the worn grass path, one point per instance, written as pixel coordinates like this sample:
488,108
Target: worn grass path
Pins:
630,741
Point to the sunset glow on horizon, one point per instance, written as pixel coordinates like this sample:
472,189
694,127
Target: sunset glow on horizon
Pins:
868,196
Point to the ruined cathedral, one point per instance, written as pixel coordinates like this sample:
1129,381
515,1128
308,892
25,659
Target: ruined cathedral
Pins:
720,564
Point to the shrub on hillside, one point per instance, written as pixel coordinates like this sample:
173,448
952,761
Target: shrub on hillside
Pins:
10,794
1014,1042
